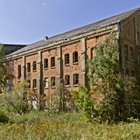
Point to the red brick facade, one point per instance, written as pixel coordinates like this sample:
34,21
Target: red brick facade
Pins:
59,56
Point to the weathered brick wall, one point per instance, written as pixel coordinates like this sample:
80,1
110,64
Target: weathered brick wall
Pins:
17,62
130,29
50,71
72,68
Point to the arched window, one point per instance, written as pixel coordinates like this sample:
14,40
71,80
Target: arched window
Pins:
46,82
28,67
34,83
75,79
34,66
67,80
75,57
52,81
67,59
45,63
19,71
52,61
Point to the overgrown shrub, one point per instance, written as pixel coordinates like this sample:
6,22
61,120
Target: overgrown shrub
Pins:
83,101
15,101
3,117
118,96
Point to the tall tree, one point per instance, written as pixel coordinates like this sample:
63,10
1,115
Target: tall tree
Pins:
106,80
3,69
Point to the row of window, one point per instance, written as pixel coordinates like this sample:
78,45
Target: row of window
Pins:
66,59
53,81
128,52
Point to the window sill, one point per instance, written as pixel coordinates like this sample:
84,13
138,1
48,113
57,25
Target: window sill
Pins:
53,67
35,88
34,70
46,87
75,63
67,65
45,68
67,86
53,87
76,85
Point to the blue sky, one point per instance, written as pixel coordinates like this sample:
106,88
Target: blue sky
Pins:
27,21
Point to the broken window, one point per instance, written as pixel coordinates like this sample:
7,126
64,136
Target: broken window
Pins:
28,67
45,63
52,81
34,83
75,57
67,59
67,80
75,79
19,71
52,61
34,66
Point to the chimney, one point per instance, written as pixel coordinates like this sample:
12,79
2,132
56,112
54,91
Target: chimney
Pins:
46,38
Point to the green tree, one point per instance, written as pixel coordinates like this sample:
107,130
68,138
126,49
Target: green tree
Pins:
106,79
3,69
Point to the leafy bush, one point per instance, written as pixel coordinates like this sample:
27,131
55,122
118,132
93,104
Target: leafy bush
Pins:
15,100
83,101
116,97
3,117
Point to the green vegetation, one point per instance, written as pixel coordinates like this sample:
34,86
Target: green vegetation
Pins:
39,125
109,110
3,70
111,97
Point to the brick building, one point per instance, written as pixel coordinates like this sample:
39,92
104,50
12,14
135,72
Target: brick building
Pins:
63,57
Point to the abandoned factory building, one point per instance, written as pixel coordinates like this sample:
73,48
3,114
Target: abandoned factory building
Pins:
63,57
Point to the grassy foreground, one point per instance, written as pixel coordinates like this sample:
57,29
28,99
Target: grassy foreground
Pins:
65,126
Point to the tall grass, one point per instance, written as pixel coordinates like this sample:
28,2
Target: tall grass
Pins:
38,125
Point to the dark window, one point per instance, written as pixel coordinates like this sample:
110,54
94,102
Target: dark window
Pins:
131,53
132,73
127,72
52,81
67,59
75,79
52,61
34,83
19,71
67,80
45,63
75,57
126,52
46,82
28,67
34,66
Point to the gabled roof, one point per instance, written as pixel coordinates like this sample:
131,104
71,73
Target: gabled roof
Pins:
90,27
